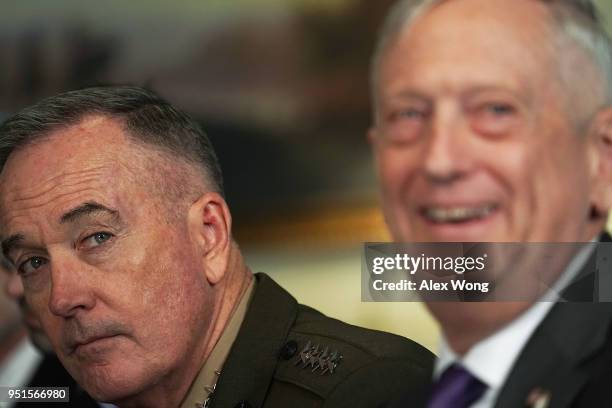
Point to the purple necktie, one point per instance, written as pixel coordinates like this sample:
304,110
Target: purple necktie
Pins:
456,388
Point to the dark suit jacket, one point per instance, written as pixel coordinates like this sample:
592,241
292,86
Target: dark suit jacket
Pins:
262,369
569,356
568,359
51,373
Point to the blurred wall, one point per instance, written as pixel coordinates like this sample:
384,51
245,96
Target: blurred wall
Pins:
329,280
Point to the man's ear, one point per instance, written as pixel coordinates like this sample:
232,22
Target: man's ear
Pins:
210,227
601,159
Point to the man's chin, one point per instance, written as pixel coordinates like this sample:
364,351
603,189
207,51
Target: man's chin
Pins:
110,377
108,383
109,393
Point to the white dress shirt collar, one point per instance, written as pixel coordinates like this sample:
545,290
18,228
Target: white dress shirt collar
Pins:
491,359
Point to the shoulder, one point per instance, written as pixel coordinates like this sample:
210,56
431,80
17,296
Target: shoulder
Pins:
319,361
368,344
346,365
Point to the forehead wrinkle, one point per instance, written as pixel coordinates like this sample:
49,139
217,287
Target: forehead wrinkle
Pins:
430,26
65,179
32,238
11,216
58,197
87,211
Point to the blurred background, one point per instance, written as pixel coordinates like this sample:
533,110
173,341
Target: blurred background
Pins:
280,86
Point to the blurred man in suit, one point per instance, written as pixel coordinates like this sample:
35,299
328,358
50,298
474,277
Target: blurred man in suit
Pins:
112,212
493,123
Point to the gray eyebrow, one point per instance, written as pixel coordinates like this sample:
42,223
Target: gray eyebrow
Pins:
86,209
73,215
10,243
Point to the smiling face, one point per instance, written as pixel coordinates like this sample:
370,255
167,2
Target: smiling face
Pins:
124,309
472,140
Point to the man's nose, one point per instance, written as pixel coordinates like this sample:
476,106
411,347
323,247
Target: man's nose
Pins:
70,291
447,156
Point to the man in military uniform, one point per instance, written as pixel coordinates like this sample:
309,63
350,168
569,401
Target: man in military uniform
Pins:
112,212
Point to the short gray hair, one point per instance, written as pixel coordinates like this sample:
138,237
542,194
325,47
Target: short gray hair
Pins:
148,119
576,22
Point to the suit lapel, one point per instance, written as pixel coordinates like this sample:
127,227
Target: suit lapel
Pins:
250,366
570,334
554,359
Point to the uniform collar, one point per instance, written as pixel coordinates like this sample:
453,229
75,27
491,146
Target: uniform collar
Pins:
206,380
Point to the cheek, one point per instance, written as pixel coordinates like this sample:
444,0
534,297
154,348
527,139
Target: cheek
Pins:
38,303
549,186
169,295
515,172
566,191
395,168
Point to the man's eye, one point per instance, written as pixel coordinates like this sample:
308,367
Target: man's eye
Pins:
97,239
495,118
31,265
499,109
410,114
404,125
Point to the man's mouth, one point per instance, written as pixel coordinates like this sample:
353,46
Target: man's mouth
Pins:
457,214
81,343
